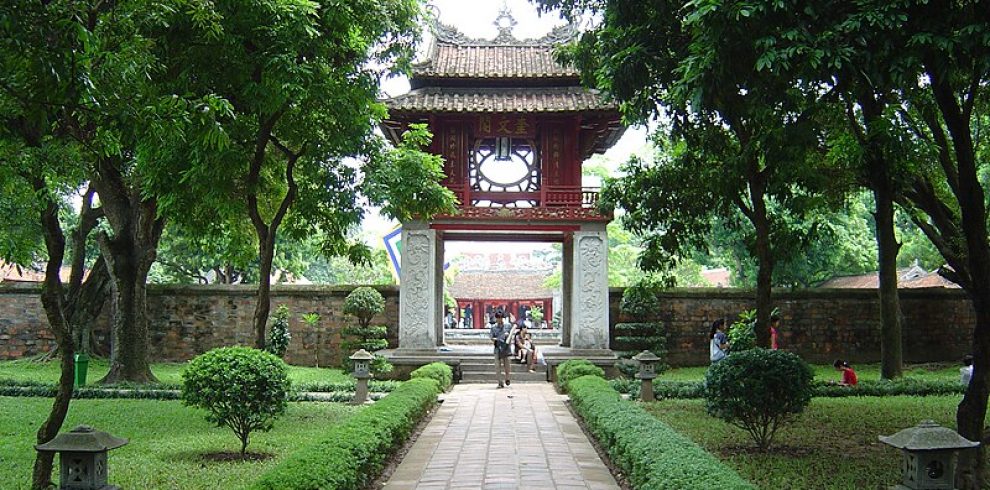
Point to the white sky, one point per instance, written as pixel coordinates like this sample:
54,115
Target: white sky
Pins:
476,19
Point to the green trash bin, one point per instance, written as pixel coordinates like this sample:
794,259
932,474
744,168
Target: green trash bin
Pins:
82,366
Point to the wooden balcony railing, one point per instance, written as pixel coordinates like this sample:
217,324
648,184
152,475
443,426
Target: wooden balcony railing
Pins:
548,196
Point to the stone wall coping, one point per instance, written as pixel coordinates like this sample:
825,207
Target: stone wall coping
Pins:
224,289
783,294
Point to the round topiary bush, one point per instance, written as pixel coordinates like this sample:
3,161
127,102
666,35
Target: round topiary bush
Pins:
364,303
278,335
241,388
758,390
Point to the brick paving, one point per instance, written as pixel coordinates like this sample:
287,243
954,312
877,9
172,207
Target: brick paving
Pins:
521,436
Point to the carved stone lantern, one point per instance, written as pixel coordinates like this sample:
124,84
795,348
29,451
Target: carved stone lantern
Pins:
647,372
83,457
929,455
362,371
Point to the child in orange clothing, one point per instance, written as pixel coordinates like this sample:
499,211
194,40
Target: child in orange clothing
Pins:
848,375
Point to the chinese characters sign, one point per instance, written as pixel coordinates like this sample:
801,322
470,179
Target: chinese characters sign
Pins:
495,125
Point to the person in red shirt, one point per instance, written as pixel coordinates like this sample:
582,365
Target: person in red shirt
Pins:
774,325
848,375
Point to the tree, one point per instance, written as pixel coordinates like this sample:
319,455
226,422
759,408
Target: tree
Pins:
738,141
302,82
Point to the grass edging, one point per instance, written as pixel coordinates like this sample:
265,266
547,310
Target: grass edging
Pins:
352,454
652,455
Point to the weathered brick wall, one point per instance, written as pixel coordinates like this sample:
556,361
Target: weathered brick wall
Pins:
820,325
189,320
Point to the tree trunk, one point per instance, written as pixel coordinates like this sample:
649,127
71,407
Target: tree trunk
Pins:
972,410
882,182
765,263
52,301
263,306
891,352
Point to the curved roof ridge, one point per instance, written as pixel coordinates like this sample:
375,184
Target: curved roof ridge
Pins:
448,34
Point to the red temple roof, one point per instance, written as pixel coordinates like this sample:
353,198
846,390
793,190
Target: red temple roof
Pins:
501,99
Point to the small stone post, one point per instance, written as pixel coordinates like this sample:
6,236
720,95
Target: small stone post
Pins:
647,371
362,372
929,456
83,458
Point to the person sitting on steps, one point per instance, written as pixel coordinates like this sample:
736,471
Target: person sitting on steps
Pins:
525,350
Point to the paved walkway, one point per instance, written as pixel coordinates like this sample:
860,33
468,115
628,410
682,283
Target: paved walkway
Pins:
522,436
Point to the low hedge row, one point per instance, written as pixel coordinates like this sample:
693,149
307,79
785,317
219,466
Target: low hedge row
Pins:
48,391
352,454
376,386
910,387
438,371
575,368
650,453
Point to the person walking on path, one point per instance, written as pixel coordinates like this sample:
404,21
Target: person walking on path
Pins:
501,334
719,345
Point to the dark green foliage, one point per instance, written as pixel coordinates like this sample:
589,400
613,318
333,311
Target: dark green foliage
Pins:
364,303
278,335
352,454
438,371
648,451
758,390
241,388
575,368
640,302
874,388
742,333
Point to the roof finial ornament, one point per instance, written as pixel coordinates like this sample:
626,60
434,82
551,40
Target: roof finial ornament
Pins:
505,22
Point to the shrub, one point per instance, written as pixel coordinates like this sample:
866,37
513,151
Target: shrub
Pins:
241,388
758,390
649,452
438,371
278,335
576,368
351,455
742,333
640,302
364,303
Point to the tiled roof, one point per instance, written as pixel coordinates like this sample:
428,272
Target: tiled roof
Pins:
531,99
493,62
501,285
906,278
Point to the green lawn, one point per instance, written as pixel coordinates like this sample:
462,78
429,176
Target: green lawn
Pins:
48,372
833,445
166,441
827,372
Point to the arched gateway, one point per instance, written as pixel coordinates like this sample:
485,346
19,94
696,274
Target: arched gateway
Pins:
513,126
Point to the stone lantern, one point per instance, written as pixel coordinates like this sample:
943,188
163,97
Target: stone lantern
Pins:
929,455
362,371
83,457
647,371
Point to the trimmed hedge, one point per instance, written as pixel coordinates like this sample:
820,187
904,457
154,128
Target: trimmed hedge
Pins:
352,454
374,386
649,452
911,387
575,368
438,371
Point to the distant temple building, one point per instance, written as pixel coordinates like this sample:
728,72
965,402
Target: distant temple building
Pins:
513,127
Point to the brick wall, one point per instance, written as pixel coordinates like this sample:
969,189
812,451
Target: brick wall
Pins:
820,325
189,320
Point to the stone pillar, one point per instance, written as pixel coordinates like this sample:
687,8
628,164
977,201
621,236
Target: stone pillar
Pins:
438,284
566,290
418,287
589,290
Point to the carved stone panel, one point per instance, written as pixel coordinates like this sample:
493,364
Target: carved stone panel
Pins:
589,291
417,291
